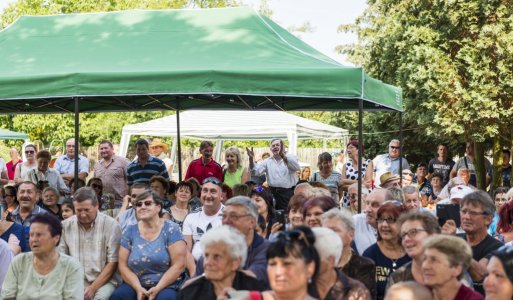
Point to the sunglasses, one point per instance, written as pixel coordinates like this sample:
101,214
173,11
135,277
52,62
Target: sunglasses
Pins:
294,235
146,203
30,152
394,147
259,189
94,186
212,180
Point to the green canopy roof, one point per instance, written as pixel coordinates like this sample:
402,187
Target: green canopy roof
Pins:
11,135
145,60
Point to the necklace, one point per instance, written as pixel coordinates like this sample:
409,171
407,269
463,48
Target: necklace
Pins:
394,263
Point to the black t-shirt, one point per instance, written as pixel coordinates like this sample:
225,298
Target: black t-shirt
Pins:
482,250
443,168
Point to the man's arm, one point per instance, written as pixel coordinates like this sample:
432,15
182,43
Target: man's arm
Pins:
477,269
104,277
292,163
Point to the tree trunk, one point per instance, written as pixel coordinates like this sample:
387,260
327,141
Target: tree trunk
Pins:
479,164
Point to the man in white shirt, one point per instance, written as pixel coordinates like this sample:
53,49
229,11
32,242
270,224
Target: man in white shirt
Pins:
206,217
389,162
280,170
365,223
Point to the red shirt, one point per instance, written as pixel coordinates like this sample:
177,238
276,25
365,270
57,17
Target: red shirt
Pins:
11,168
202,171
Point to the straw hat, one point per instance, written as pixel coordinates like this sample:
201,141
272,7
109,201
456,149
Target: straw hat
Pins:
159,143
387,177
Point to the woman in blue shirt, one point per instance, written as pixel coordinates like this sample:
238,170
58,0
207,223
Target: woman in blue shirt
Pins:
152,254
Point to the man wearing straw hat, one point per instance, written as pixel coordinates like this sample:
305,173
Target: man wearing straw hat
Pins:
159,150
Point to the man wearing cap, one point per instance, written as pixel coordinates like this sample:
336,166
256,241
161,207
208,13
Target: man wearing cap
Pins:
159,150
389,162
389,180
205,166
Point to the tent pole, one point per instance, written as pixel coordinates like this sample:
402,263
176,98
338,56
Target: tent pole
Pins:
360,153
77,120
178,142
401,148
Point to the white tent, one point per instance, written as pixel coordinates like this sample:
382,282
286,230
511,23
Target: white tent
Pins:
222,125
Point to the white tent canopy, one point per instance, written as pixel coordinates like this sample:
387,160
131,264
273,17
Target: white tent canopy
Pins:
222,125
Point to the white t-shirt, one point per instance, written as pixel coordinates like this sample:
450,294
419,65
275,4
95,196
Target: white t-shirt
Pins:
364,234
3,167
196,224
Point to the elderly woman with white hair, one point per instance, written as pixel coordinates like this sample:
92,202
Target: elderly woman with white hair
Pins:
331,283
225,252
351,263
234,173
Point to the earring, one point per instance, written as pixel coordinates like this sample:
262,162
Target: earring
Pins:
309,280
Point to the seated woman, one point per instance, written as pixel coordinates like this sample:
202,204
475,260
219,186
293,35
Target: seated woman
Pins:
315,207
152,254
292,265
51,202
351,263
182,206
263,198
44,273
225,252
13,234
387,253
446,258
415,228
498,284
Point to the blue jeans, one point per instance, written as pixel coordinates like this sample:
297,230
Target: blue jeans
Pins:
126,292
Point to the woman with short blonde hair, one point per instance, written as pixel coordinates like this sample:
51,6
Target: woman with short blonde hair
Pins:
234,173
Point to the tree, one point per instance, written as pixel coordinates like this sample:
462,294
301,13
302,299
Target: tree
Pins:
450,57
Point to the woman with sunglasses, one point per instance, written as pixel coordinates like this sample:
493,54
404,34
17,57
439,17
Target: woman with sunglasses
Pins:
498,284
30,163
415,228
387,253
292,265
152,254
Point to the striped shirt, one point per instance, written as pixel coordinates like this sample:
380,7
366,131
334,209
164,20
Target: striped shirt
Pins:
138,173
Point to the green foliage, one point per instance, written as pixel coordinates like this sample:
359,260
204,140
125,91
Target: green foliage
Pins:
452,60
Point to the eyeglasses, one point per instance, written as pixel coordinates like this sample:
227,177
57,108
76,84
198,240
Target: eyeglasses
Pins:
293,235
411,233
146,203
233,217
389,220
472,213
30,152
353,195
394,147
6,195
212,180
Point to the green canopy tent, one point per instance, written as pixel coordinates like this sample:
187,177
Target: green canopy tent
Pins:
230,58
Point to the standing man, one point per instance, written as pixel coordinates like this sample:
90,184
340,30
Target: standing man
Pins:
93,238
389,162
65,164
506,168
28,194
205,166
467,161
206,217
159,150
145,166
111,169
441,164
280,170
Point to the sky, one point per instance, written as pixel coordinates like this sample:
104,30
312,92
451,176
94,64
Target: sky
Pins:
324,16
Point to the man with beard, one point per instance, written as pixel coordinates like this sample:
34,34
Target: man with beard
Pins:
365,223
280,170
205,167
28,193
111,169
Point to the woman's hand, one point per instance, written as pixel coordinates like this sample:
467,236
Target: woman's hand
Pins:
142,293
153,292
276,227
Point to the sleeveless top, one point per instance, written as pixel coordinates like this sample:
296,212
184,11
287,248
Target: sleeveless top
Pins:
24,169
352,173
232,179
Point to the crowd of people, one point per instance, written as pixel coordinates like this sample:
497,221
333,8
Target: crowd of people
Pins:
269,230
